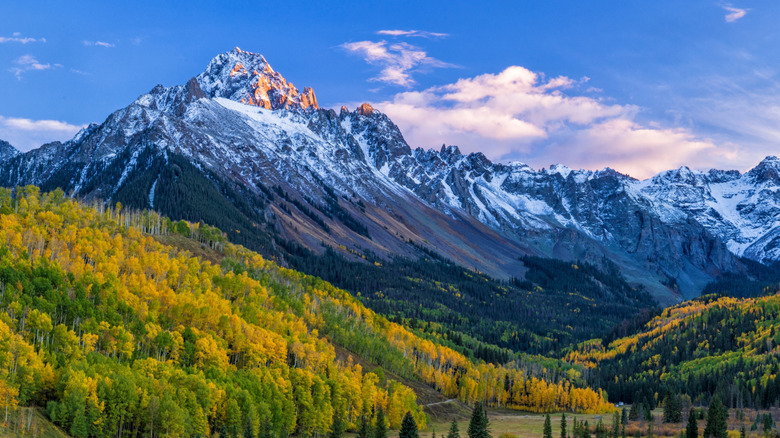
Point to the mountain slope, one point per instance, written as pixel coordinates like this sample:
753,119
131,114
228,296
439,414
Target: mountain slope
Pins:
117,334
711,345
290,176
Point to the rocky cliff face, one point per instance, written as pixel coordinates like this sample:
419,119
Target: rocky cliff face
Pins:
349,180
7,151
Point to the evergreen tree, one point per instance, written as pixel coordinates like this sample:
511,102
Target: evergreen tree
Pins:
616,425
363,430
623,416
742,432
692,429
563,425
635,412
672,408
768,423
648,413
717,420
601,430
453,433
479,426
547,427
408,427
586,430
380,431
338,427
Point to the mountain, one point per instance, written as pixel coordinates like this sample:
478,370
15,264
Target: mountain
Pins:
240,147
7,151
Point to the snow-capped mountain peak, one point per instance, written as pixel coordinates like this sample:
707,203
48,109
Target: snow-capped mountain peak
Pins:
248,78
767,170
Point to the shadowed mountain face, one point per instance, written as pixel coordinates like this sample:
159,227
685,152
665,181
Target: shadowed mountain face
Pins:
7,151
240,147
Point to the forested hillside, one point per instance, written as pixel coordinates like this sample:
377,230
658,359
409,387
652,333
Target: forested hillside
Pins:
712,345
117,334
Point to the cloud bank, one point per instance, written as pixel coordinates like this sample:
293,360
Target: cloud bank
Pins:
518,114
26,134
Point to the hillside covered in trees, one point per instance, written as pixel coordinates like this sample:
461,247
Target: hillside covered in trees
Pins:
713,345
117,334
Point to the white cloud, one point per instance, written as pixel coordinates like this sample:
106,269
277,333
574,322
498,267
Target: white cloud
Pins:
734,14
29,63
397,60
412,33
18,38
26,134
520,114
98,43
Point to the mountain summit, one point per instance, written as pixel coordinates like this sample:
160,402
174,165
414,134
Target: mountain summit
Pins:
248,78
241,148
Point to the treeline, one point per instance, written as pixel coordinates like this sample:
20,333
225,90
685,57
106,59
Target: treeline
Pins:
116,334
759,280
482,317
710,346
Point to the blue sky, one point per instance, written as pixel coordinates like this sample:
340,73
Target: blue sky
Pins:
638,86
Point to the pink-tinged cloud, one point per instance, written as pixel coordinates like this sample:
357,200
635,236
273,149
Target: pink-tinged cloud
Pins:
26,134
397,60
734,14
412,33
519,114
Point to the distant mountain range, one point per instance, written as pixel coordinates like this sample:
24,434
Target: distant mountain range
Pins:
241,148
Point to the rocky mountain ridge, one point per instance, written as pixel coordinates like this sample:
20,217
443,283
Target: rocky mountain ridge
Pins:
239,134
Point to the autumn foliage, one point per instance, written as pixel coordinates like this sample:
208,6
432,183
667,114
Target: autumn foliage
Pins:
116,334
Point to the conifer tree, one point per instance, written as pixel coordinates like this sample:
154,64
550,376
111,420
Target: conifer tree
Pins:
672,408
717,420
453,433
563,425
338,426
380,431
616,425
547,427
408,427
479,426
636,411
586,430
362,431
692,429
